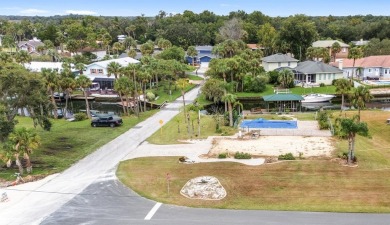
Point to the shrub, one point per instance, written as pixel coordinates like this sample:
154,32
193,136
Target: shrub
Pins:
222,156
323,120
80,116
322,85
242,155
150,96
287,156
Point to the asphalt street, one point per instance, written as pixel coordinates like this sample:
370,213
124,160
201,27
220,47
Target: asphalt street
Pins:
89,193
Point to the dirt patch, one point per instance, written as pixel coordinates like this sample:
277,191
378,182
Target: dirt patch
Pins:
275,146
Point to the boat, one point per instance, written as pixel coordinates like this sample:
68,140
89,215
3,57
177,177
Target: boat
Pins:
317,98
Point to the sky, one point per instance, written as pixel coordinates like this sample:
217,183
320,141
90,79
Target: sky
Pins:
271,8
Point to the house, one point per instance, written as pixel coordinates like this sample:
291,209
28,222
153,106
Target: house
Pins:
372,67
315,73
38,66
254,47
121,38
30,46
98,73
100,53
278,60
343,54
204,55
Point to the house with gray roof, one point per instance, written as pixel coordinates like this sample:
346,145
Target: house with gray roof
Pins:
343,54
315,73
278,60
30,46
204,55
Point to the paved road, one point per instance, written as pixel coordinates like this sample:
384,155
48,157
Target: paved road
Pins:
89,193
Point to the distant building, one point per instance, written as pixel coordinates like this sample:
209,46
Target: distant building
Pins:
204,55
30,46
278,60
38,66
361,42
343,54
121,38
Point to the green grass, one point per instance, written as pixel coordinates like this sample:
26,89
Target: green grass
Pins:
176,130
163,92
304,185
68,142
194,77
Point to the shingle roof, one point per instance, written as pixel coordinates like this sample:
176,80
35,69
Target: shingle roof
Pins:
279,57
30,42
282,97
204,48
328,44
312,67
370,61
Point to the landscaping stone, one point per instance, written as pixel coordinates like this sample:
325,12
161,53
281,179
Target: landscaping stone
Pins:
205,188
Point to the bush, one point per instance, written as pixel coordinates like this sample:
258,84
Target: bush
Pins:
322,85
287,156
222,156
80,116
242,155
323,120
150,96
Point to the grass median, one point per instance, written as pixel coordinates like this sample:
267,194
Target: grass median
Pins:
304,185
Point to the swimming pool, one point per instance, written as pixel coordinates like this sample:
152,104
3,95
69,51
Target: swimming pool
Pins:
263,123
381,82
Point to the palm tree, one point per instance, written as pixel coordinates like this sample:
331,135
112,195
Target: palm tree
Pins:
131,71
223,68
124,87
84,83
286,78
80,67
24,141
145,76
51,78
359,97
354,53
230,99
22,57
68,84
117,47
335,48
5,57
183,84
343,87
114,68
349,127
191,52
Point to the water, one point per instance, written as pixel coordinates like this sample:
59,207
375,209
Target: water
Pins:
263,123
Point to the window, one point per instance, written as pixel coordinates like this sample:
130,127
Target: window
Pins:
369,70
279,64
328,76
344,50
319,76
93,71
100,71
288,63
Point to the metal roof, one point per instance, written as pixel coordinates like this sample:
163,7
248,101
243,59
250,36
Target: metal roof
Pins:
279,58
282,97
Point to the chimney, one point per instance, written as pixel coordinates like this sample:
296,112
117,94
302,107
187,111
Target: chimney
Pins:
340,64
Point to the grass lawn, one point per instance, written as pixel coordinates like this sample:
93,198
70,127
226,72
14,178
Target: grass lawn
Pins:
306,185
163,92
194,77
68,142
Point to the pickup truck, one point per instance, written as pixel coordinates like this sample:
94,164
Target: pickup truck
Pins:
106,121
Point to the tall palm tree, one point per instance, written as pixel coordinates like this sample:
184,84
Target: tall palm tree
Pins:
123,86
191,52
83,82
51,78
131,71
359,97
68,84
335,48
230,99
80,67
114,68
354,53
183,84
145,76
223,68
25,141
343,87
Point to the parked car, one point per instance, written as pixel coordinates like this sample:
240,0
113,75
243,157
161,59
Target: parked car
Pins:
106,121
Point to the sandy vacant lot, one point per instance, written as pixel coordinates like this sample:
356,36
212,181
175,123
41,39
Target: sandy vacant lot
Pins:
275,145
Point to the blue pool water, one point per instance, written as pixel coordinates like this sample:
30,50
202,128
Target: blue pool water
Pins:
379,82
263,123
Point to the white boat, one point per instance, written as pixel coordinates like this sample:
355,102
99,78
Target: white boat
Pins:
317,98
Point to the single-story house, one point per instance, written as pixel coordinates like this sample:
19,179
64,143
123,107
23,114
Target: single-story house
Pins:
97,71
30,46
371,67
343,54
254,47
204,55
278,60
38,66
313,72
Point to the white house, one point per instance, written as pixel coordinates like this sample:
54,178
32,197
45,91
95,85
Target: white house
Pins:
97,71
372,67
38,66
278,60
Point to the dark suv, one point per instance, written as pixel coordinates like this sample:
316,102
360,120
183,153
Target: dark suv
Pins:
106,121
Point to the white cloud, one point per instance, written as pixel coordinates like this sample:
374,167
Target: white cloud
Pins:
33,11
80,12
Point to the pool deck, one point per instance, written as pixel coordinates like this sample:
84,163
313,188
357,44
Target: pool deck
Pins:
305,128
